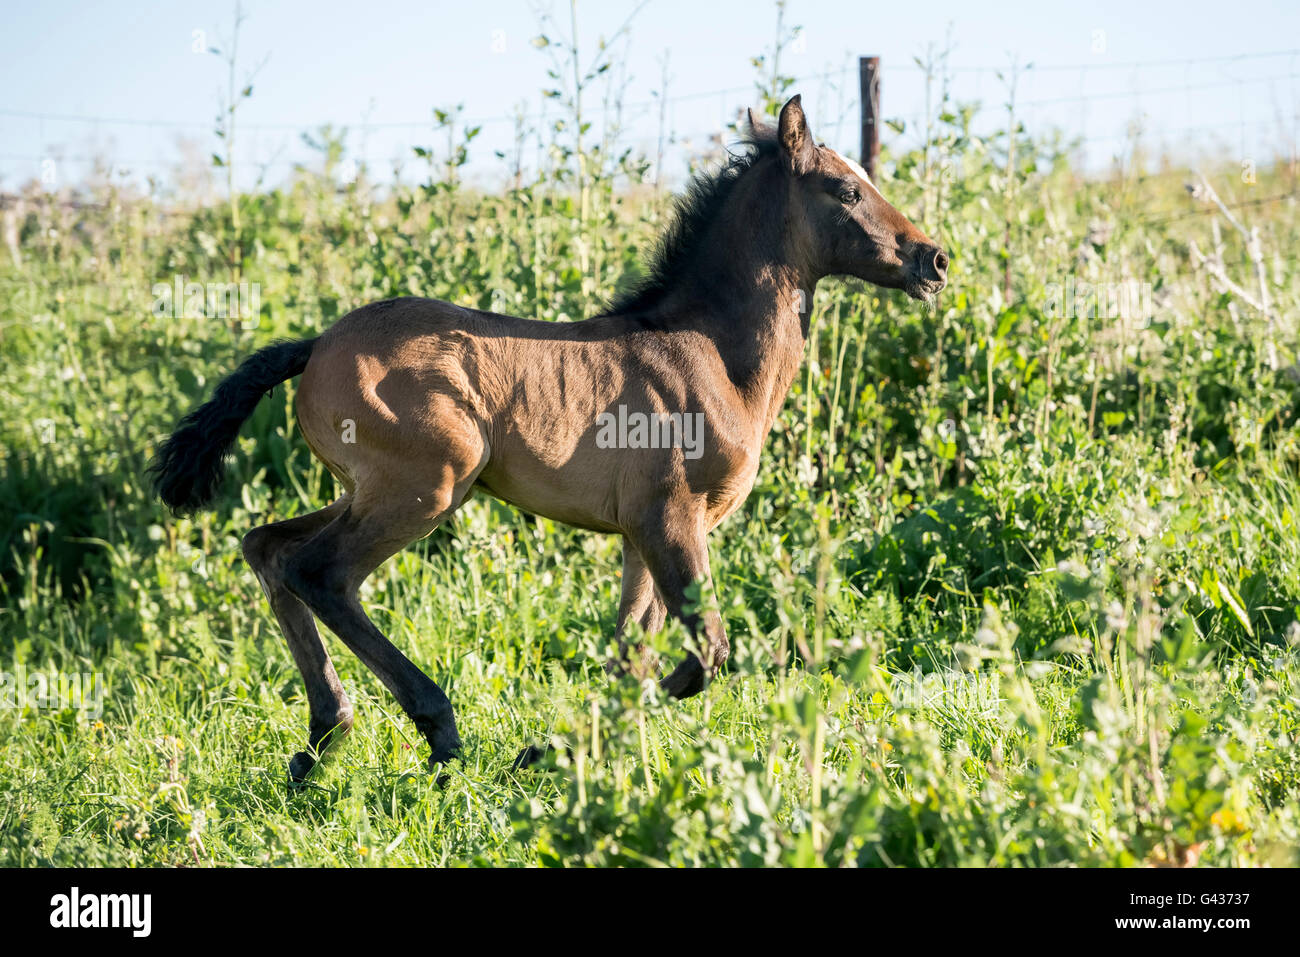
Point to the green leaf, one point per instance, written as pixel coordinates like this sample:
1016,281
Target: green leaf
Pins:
1234,603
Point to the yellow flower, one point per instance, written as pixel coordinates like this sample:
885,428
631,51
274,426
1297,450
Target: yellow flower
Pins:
1226,819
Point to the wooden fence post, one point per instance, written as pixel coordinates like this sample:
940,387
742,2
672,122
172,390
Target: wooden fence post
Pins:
869,86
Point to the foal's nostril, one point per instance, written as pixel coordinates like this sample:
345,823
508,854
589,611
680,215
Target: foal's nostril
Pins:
932,264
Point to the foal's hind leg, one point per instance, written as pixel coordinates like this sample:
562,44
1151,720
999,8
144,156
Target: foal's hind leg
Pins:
265,549
327,571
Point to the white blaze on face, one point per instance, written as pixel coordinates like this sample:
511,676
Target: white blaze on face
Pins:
857,171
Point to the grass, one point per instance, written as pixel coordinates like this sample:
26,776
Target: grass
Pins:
1013,588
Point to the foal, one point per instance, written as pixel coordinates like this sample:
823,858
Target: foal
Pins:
412,403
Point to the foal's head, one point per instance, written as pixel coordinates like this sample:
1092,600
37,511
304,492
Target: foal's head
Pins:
841,223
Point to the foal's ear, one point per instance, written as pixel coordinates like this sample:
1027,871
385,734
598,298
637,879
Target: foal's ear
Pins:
796,142
757,128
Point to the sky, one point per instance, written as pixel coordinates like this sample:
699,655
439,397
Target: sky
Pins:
122,81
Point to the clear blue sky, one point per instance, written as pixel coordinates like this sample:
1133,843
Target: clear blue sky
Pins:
391,63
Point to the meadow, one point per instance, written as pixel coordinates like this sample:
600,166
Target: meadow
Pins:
1018,584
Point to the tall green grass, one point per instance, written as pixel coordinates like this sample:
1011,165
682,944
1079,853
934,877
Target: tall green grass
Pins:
1011,588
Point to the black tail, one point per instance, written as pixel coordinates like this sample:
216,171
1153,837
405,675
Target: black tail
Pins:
187,468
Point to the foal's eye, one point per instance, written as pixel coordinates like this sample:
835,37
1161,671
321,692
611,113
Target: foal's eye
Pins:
849,195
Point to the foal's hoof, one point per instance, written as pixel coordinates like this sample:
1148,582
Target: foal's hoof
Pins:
528,757
444,755
442,779
300,766
686,680
532,754
441,758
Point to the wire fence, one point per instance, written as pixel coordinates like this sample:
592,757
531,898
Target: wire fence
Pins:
1246,105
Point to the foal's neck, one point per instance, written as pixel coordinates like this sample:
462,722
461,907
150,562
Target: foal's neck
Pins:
760,330
751,294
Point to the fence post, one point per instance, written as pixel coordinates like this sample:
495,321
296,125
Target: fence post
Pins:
869,87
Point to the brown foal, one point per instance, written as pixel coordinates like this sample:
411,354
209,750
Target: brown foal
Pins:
412,403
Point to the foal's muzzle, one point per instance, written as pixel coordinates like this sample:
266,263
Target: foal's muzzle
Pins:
928,271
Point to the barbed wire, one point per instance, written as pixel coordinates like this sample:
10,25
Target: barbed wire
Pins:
1114,65
1139,130
1209,209
7,199
842,73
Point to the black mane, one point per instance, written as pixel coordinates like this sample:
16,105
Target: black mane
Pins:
676,249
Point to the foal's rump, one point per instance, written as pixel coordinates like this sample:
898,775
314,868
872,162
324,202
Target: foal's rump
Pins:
389,399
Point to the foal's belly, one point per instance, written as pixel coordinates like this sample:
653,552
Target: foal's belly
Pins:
588,484
574,496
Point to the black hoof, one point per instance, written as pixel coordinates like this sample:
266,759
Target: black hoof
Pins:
441,758
532,754
300,766
687,680
528,757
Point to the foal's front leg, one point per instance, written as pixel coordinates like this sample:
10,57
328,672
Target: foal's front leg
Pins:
640,604
672,544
